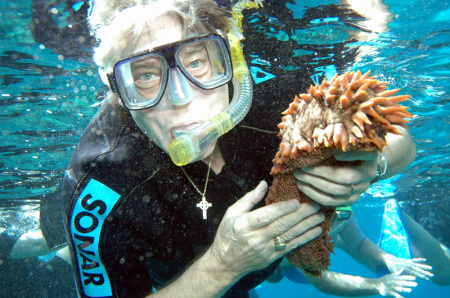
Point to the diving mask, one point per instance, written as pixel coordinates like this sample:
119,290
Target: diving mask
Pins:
141,80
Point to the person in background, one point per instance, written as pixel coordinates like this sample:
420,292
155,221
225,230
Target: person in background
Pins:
396,273
28,268
62,27
424,245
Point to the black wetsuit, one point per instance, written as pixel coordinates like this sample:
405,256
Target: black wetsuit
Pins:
131,214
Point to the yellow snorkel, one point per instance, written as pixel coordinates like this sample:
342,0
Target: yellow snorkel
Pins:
187,147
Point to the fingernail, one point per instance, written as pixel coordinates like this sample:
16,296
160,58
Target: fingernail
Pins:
314,206
294,204
323,216
297,174
262,184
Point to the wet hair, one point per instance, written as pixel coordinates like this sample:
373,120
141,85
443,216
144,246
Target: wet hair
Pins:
118,28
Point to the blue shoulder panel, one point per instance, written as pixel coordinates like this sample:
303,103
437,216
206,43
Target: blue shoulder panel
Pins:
90,211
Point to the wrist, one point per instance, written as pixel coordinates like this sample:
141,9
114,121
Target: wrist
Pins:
386,258
374,286
218,267
216,272
203,278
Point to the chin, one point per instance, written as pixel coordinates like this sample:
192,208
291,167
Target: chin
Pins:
207,152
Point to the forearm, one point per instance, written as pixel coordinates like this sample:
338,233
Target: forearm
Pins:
370,255
204,278
339,284
356,244
399,153
366,253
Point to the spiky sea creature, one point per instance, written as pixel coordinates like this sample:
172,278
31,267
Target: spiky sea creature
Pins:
352,112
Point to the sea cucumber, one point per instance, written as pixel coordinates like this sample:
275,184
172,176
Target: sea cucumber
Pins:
351,112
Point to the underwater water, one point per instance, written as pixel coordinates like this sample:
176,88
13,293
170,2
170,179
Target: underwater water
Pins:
48,98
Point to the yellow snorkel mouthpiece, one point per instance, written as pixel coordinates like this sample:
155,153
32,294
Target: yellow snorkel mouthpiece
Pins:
189,146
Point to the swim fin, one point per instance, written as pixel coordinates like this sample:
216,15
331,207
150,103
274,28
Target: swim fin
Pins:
394,238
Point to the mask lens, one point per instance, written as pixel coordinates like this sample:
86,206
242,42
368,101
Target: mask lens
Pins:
343,214
205,63
147,76
141,80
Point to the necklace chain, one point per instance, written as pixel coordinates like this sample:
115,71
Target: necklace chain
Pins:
204,204
206,183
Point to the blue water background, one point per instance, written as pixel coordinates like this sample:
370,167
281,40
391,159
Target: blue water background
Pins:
47,101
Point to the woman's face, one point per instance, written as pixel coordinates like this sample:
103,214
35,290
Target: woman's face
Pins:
183,105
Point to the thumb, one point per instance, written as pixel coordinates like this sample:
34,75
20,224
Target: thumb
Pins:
247,202
399,271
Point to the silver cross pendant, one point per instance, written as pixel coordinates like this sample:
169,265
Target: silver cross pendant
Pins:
204,205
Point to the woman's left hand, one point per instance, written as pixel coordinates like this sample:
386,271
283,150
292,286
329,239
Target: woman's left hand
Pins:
338,185
415,267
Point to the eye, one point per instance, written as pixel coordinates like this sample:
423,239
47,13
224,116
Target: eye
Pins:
146,79
147,82
146,76
195,64
198,67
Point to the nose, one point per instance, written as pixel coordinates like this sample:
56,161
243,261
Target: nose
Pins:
179,91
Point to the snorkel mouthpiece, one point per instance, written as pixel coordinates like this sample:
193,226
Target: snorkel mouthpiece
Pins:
187,147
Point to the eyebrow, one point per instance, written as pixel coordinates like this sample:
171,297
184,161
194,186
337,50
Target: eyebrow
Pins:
149,62
192,49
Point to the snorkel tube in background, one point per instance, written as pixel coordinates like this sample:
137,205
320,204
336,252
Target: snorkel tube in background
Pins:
187,147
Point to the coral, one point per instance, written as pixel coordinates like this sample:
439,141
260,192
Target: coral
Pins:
351,112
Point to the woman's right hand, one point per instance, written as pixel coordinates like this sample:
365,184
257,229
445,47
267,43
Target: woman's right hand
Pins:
394,283
244,241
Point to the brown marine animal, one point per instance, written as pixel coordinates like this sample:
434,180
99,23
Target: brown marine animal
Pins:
351,112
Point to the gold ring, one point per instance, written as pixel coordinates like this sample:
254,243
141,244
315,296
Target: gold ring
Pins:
279,245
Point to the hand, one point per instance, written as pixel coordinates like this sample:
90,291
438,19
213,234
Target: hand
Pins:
244,241
411,267
338,185
393,284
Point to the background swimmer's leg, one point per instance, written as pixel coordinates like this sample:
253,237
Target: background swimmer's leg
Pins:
424,245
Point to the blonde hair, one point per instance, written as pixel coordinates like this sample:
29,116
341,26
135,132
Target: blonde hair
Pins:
117,27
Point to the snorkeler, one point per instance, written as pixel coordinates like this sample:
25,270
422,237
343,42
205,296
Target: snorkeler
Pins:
137,222
398,277
405,251
418,242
